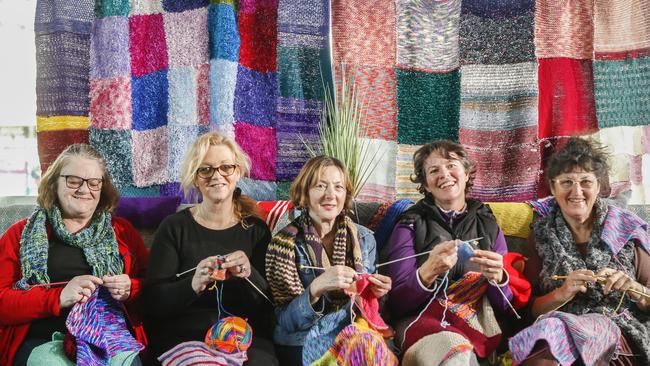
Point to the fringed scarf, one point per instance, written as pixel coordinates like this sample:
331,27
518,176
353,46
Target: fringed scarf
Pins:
284,278
97,241
613,249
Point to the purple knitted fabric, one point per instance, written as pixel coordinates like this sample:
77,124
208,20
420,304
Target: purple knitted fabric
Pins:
100,329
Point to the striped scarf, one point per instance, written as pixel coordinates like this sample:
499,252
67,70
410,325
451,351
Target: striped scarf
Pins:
284,278
97,241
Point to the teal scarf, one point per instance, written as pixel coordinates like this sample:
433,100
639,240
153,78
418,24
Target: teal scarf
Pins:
97,241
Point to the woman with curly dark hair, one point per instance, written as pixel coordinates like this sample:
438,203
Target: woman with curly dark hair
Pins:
589,267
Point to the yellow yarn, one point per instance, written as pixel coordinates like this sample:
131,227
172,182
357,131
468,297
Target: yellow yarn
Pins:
55,123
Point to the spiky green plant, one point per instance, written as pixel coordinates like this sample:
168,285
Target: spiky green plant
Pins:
341,131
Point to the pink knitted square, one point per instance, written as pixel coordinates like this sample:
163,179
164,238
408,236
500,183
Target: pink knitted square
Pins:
150,156
110,103
259,143
203,93
187,37
147,44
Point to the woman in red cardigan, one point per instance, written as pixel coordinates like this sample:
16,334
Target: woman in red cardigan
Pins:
71,238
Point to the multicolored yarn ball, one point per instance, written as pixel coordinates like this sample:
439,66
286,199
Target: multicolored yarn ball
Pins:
230,335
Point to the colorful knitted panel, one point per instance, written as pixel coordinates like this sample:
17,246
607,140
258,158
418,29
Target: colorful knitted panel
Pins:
623,25
100,329
357,346
486,24
404,168
590,337
564,28
198,353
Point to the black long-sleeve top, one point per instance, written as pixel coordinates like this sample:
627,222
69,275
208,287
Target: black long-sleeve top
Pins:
175,312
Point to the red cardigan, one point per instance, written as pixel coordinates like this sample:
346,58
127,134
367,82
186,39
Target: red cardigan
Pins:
18,308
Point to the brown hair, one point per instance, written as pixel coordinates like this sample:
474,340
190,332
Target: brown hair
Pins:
47,189
589,155
308,177
244,206
448,150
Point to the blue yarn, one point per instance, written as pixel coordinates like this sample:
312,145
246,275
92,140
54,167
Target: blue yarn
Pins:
464,252
150,97
224,36
385,227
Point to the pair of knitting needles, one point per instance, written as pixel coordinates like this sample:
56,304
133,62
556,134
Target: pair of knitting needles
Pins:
602,280
470,241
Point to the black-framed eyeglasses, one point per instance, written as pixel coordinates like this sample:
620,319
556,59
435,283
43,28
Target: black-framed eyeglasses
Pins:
207,172
74,182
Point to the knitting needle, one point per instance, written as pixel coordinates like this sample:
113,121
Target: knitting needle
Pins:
602,280
318,268
419,254
188,271
49,284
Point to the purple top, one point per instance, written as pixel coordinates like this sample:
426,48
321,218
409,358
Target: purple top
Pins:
406,283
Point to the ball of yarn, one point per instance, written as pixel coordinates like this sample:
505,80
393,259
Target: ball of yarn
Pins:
229,335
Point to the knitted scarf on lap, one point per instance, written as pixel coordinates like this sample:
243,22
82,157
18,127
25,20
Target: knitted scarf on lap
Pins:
284,279
611,245
97,241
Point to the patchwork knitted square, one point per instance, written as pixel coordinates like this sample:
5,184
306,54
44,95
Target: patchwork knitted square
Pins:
182,96
132,191
172,189
180,140
259,144
111,8
51,143
62,74
176,6
202,78
223,78
298,18
376,89
147,44
258,37
260,189
498,97
255,94
186,35
149,98
622,91
109,54
403,170
621,25
299,72
254,6
428,106
380,186
150,168
145,7
427,34
496,34
283,190
363,32
63,16
110,102
297,125
564,28
115,147
224,35
566,97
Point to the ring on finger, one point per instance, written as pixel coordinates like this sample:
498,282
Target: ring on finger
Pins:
241,268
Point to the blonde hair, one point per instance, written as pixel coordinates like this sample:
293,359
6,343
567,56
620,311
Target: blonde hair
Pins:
308,177
244,206
49,185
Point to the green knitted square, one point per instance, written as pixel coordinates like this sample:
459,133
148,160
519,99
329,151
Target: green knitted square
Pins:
283,190
299,74
622,92
428,106
109,8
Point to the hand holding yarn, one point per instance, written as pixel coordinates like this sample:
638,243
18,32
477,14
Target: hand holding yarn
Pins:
333,278
78,289
119,286
491,264
380,284
620,281
203,274
575,282
237,264
441,259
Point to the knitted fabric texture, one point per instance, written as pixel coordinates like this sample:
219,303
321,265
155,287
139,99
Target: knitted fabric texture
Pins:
621,26
97,241
368,304
564,29
101,331
466,310
443,348
115,147
591,338
72,16
284,279
259,143
198,353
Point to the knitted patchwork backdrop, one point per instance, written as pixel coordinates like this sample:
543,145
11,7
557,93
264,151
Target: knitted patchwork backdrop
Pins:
509,79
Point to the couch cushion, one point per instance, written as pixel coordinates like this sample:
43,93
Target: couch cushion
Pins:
146,212
513,218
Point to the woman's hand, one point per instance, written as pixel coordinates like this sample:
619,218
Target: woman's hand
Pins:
440,260
203,274
237,264
620,281
79,290
379,284
333,278
119,286
491,264
575,282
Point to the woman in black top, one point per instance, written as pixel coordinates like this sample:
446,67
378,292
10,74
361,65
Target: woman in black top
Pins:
182,308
